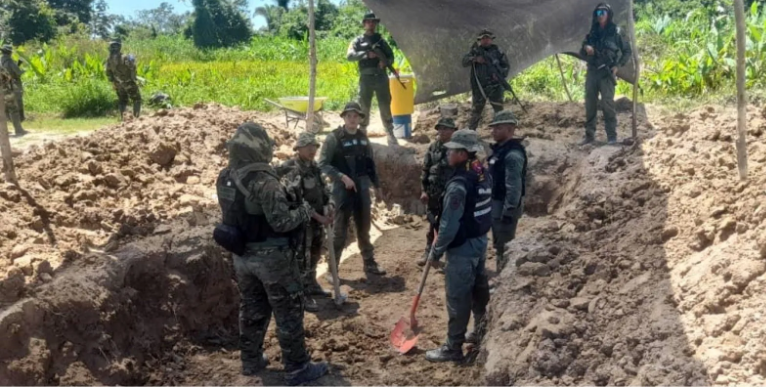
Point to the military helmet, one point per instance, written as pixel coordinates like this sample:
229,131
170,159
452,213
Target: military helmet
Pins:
446,122
352,107
371,17
6,48
306,139
485,33
504,117
465,139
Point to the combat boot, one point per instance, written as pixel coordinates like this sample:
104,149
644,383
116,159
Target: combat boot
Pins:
314,289
308,373
122,107
392,140
254,367
587,140
136,109
310,304
445,354
422,261
371,267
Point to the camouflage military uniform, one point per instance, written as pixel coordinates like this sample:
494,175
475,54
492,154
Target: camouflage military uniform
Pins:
436,172
373,79
10,81
483,86
305,178
267,274
121,71
610,51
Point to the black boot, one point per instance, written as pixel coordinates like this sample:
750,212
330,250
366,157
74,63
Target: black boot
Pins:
371,267
308,373
587,140
444,354
314,289
136,109
254,367
122,107
310,305
422,261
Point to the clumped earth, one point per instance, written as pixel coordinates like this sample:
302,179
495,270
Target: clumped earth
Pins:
641,264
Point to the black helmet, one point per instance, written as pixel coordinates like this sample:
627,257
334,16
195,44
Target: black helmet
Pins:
371,17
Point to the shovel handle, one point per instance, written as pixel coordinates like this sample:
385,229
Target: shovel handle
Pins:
425,274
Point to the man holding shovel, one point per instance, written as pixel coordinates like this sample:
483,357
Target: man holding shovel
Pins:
466,219
347,159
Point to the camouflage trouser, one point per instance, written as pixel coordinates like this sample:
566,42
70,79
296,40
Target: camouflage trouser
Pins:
599,82
496,95
358,204
467,288
376,84
269,282
127,91
315,240
12,110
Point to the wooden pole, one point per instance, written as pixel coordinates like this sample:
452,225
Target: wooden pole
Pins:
5,145
312,69
563,78
637,68
739,17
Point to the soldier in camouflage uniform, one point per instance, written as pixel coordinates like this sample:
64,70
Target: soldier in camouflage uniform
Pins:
605,51
10,82
267,273
436,172
373,78
302,175
485,86
121,71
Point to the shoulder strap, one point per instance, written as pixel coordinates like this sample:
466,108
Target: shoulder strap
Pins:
239,174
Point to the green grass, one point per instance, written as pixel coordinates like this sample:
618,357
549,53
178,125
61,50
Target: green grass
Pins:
50,124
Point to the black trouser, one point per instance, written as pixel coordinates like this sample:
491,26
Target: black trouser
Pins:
600,82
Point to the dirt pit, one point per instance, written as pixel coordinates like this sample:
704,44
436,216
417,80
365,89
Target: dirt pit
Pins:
634,265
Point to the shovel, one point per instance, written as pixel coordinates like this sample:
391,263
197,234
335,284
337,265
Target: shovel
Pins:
338,297
404,337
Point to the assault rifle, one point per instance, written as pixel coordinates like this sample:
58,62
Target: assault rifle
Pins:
378,50
497,75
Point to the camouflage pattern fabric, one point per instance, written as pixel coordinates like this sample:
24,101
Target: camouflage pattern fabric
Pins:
11,91
436,173
121,71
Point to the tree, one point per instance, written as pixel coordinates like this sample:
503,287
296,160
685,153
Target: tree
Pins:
162,20
100,21
219,24
739,16
273,16
28,20
79,9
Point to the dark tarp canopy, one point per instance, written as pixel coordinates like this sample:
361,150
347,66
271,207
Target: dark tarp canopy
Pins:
435,34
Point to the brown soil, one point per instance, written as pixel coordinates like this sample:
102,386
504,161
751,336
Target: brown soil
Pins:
634,265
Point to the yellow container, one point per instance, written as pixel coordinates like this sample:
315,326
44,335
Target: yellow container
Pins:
402,98
301,104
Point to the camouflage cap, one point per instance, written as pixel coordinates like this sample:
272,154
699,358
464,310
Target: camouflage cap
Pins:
370,16
305,139
465,139
446,122
250,144
7,48
504,117
352,107
485,33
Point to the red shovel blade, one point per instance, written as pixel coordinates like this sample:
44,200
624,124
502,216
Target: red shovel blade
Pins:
403,337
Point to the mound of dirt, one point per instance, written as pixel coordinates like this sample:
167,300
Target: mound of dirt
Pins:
645,265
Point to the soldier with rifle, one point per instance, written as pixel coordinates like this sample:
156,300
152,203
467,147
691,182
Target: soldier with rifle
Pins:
605,51
489,68
374,56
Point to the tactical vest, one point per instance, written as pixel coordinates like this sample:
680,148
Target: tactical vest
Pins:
238,227
351,154
362,43
608,52
497,168
477,216
439,172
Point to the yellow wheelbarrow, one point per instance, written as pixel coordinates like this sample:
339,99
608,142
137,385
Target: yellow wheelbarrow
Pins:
295,109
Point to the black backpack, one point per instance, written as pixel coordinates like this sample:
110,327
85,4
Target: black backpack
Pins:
231,234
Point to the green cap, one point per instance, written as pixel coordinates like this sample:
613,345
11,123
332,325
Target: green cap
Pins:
305,139
6,48
465,139
504,117
446,122
485,33
352,107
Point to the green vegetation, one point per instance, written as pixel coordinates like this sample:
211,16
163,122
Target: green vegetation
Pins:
687,50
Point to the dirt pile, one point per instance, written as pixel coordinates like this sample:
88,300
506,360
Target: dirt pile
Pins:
645,265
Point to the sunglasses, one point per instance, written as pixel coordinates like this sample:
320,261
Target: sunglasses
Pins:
601,12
